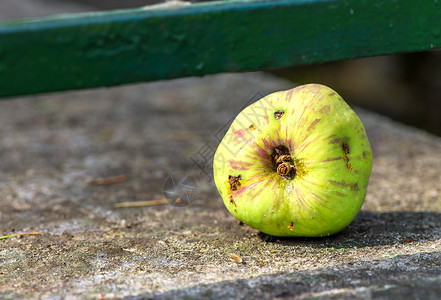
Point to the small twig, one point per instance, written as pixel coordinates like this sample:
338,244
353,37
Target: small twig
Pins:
20,234
108,180
141,203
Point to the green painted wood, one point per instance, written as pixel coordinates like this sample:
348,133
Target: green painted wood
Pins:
111,48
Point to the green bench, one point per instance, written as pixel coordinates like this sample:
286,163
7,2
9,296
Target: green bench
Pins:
110,48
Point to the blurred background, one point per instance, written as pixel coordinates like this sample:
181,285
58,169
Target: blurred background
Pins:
405,87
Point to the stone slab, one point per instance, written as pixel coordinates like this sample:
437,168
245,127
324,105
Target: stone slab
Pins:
52,147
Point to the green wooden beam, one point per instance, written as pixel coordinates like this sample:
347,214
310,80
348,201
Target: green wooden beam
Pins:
110,48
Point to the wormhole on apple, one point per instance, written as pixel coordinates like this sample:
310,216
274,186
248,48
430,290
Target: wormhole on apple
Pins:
234,181
278,114
283,163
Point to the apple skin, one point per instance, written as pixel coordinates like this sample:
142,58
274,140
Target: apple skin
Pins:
330,161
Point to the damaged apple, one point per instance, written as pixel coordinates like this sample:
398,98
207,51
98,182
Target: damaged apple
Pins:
295,163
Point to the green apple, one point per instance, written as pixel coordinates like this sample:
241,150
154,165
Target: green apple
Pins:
295,163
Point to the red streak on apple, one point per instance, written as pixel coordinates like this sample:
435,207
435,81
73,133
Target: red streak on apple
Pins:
239,165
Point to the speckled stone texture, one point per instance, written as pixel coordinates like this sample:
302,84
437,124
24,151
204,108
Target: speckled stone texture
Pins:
52,146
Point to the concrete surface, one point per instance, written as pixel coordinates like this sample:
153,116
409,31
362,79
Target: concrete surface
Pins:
53,146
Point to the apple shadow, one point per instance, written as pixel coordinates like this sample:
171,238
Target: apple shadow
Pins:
370,229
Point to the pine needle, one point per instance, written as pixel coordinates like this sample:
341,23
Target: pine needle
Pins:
19,235
141,203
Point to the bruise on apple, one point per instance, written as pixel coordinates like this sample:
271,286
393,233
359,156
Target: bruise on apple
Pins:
234,182
278,114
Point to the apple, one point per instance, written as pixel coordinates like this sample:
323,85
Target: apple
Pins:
295,163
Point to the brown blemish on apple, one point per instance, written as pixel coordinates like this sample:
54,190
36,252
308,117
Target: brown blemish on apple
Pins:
291,226
234,182
340,194
278,114
353,186
345,148
331,159
329,137
313,124
232,200
335,141
348,165
325,109
251,126
365,154
346,157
